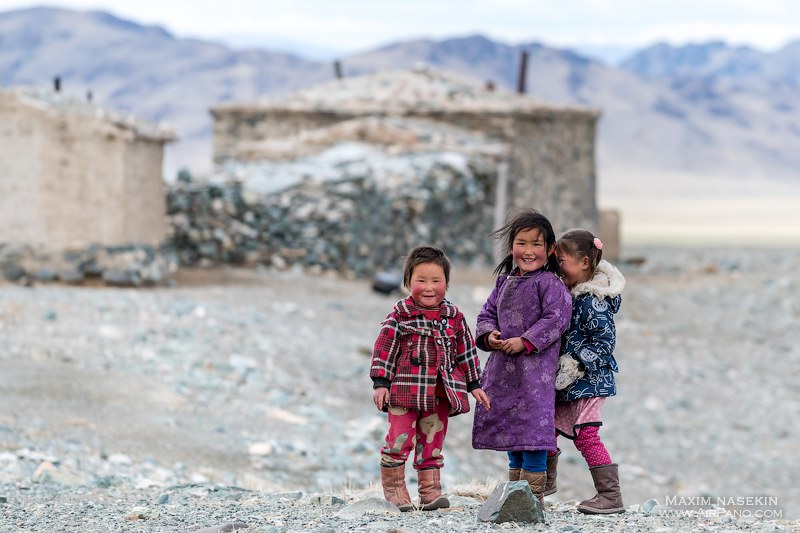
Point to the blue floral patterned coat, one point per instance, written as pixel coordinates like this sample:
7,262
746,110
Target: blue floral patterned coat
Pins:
591,336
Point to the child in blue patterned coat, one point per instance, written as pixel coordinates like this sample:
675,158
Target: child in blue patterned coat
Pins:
587,357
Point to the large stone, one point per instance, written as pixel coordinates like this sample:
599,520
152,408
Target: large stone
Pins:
44,274
649,505
387,282
71,275
512,501
338,216
326,500
47,472
121,278
13,272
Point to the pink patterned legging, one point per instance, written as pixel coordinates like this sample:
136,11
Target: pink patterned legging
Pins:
422,432
591,447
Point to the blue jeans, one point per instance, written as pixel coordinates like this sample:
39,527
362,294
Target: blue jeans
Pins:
530,460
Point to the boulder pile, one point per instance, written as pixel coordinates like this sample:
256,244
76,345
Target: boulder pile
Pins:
132,265
351,209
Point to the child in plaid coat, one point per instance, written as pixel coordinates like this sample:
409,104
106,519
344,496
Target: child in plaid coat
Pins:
423,365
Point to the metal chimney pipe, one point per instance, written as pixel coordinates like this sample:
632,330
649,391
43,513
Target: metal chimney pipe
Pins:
523,71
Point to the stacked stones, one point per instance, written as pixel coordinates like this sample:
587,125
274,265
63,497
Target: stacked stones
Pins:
122,266
355,217
352,209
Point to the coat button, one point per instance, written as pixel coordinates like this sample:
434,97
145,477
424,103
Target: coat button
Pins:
439,342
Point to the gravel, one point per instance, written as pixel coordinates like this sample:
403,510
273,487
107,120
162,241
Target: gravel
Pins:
242,396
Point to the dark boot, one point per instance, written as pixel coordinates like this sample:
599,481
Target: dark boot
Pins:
608,498
430,490
393,480
513,474
536,480
552,473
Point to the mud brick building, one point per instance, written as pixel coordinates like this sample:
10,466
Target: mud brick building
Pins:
550,150
74,175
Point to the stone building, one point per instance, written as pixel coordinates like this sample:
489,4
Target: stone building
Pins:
74,175
548,160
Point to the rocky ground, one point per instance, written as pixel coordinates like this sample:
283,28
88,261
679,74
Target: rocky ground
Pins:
243,396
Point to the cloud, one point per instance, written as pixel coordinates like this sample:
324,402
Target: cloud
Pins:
359,24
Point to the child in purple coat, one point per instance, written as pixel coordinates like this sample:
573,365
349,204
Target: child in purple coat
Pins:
521,324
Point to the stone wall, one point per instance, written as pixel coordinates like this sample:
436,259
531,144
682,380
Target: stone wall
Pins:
552,168
21,170
122,266
144,196
355,225
72,176
232,128
551,156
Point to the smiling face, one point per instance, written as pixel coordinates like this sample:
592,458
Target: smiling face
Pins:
529,250
574,270
428,285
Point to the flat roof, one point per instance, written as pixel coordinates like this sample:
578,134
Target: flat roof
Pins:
421,91
60,103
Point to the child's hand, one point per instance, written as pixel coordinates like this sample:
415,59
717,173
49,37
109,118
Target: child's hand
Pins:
494,341
482,398
381,397
512,345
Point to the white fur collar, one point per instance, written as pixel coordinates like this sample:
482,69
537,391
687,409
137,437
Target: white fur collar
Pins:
607,281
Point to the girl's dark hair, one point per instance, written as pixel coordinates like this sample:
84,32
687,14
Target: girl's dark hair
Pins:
521,220
421,255
580,243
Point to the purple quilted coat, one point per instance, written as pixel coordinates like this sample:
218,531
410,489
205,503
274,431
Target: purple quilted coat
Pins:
536,307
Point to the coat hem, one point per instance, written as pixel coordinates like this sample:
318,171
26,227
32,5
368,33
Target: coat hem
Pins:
529,448
575,429
566,400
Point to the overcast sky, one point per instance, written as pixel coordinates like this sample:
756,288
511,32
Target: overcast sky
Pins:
352,25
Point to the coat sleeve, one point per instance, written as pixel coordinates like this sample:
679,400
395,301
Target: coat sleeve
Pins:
386,352
467,355
593,343
487,318
556,313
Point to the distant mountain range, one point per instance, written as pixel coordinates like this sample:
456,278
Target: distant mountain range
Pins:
707,109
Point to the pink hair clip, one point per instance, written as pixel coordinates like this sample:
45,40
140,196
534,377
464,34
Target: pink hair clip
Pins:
598,243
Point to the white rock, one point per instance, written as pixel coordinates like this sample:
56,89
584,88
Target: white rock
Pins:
260,449
8,457
286,416
146,483
108,331
119,459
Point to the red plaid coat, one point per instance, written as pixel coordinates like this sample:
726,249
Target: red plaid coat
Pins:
411,352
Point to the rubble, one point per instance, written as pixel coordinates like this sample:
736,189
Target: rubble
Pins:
122,266
352,209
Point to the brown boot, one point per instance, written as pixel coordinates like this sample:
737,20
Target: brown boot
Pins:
430,490
608,498
552,474
513,474
536,480
393,479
